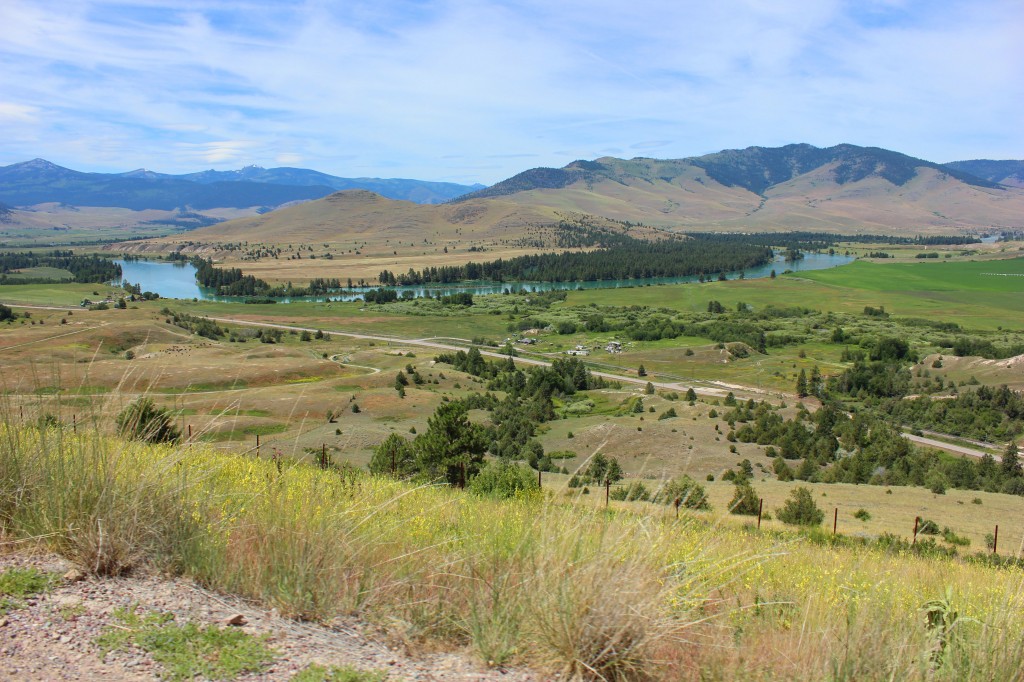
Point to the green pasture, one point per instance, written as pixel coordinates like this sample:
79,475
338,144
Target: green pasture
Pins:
42,272
53,294
975,294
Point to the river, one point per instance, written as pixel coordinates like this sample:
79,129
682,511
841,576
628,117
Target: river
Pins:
177,280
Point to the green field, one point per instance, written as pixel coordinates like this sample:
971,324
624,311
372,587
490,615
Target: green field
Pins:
54,294
42,272
957,291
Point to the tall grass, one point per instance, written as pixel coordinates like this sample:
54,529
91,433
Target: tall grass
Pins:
589,593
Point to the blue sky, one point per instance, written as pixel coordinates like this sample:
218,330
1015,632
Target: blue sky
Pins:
478,90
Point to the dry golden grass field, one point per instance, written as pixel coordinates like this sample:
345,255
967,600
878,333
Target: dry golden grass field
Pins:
230,393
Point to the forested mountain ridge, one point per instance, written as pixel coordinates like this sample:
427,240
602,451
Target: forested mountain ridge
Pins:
1008,172
755,169
845,188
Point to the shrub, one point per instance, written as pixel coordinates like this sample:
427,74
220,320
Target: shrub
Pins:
690,494
952,538
937,482
800,509
745,500
503,480
143,420
862,514
631,492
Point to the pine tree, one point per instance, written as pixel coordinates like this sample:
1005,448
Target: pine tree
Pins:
801,384
816,385
1011,461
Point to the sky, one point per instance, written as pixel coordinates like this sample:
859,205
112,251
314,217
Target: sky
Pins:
478,90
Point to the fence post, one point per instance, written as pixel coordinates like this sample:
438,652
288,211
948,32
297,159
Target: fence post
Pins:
257,445
760,508
539,482
835,521
916,520
607,492
74,423
995,540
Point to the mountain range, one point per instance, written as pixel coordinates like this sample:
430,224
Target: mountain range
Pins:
39,181
844,189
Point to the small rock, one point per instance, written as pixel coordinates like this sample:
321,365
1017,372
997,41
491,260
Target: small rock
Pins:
3,622
237,619
74,576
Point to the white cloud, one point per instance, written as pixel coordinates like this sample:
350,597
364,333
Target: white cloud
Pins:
441,89
18,113
288,159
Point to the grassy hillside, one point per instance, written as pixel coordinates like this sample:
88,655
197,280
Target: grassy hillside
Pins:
619,595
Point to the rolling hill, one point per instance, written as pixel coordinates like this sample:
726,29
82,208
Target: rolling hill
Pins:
843,189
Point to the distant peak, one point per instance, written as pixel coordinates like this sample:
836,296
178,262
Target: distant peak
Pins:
39,165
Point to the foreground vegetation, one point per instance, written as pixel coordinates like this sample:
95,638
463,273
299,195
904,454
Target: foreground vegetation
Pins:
536,579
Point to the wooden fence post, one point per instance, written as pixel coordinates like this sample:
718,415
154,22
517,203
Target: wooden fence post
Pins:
760,508
257,445
917,519
995,540
835,521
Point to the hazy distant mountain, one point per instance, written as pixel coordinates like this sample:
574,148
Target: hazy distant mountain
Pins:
39,181
417,191
1004,172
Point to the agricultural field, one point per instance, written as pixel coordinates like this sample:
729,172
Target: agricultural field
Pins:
976,294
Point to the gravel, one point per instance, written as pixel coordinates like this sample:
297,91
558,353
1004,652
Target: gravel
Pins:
51,637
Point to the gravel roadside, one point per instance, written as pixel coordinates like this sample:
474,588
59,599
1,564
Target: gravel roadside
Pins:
51,636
